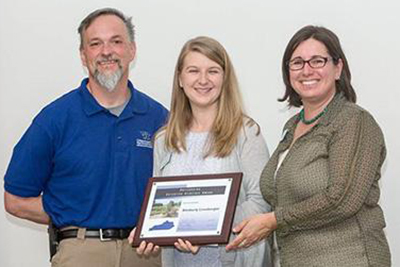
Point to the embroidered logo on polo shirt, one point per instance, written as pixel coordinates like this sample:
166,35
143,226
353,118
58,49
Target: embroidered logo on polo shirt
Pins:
145,141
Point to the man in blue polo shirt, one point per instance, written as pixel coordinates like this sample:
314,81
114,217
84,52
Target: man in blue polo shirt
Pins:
85,160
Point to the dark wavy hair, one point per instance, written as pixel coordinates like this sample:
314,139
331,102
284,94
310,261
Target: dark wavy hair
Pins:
332,43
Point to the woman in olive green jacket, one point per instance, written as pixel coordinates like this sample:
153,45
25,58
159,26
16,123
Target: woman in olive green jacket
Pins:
322,180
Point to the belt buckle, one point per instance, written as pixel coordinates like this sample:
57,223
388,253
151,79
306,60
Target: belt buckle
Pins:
102,238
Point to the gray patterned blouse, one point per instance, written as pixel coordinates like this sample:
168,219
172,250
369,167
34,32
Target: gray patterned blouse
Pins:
326,192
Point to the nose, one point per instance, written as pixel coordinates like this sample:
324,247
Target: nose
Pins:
203,79
307,70
106,49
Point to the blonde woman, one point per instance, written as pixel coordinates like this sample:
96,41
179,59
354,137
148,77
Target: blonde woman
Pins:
208,132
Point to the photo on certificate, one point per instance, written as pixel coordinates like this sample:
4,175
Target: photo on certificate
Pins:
198,208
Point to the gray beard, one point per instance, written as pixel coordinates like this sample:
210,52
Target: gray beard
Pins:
108,81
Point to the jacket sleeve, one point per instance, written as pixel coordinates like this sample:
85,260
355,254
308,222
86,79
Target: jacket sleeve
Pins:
253,155
356,153
158,153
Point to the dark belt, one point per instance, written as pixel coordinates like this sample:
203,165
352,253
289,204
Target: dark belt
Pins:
102,234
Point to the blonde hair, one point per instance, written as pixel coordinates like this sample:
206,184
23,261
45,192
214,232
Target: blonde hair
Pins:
230,114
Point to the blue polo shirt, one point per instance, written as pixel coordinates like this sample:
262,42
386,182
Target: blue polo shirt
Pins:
91,166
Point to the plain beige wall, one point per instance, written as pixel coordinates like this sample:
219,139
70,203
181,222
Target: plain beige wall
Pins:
39,61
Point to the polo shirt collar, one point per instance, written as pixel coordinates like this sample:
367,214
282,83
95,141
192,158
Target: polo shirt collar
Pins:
90,105
136,103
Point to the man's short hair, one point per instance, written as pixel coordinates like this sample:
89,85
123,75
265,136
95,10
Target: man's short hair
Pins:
86,22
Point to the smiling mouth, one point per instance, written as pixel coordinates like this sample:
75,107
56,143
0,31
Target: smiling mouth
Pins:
309,82
203,90
107,62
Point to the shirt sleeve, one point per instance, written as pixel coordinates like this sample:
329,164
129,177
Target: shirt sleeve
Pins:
31,163
356,153
162,117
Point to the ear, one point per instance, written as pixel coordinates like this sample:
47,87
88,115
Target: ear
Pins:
339,68
132,50
180,82
83,57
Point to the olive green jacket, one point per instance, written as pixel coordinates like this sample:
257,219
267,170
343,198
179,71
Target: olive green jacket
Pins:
325,194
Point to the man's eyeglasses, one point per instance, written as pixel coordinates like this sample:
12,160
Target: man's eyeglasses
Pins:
316,62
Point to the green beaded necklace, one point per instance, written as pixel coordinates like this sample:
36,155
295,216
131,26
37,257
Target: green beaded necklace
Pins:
312,120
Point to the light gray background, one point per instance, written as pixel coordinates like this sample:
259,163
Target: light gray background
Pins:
39,61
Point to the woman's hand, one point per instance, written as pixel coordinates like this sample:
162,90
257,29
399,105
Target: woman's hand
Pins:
253,230
144,248
186,246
